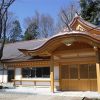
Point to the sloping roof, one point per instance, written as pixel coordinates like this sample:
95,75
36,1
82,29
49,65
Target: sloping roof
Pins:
92,37
11,50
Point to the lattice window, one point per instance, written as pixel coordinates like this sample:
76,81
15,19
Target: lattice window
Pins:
65,72
92,71
84,71
73,72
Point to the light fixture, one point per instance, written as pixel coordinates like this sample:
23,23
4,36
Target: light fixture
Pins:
68,41
68,44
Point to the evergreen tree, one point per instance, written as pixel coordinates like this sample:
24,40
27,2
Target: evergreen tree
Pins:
31,32
15,33
90,11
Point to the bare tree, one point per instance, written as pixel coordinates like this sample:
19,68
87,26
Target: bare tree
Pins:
9,26
29,20
44,22
46,25
4,6
66,15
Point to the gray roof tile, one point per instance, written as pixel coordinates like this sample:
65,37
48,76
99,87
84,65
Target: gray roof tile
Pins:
11,50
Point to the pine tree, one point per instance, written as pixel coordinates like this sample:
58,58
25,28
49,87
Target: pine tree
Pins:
90,11
31,32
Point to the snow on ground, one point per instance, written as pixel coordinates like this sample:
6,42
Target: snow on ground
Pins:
46,91
13,96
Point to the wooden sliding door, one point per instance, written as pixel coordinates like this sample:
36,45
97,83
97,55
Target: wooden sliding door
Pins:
78,77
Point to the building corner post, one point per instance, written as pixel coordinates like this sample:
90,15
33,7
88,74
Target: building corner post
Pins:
52,73
97,52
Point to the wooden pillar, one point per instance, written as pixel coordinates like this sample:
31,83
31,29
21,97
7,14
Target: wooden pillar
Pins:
52,73
60,83
14,76
21,77
3,74
98,76
7,73
98,68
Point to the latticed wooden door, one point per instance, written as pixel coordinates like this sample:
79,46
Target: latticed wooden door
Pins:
78,77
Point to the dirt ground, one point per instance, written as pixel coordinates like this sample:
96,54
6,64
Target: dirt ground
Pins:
9,96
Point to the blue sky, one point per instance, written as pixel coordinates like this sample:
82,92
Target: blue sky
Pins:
26,8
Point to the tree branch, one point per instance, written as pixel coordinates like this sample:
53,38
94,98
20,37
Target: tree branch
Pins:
8,5
4,34
2,5
65,19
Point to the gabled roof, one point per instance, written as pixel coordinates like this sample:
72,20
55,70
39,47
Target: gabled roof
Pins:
84,24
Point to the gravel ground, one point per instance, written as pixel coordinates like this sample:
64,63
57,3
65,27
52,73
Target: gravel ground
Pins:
9,96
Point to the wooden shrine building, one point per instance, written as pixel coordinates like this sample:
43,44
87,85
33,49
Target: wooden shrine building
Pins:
67,60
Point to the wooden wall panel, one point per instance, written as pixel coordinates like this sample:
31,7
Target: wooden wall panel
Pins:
79,85
93,85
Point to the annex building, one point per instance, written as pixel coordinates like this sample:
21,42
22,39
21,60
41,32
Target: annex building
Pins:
66,61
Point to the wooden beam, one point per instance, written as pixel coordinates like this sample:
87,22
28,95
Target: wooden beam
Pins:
27,63
77,60
88,50
52,73
97,67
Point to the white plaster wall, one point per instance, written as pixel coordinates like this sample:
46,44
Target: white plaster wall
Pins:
3,78
18,75
56,73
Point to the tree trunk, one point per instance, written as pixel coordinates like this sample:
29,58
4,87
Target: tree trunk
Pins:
1,48
0,26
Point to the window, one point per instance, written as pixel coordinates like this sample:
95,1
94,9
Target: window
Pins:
65,72
39,72
87,71
36,72
73,72
26,72
92,71
46,72
33,72
84,71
